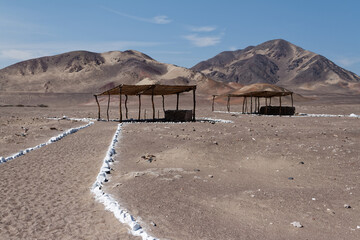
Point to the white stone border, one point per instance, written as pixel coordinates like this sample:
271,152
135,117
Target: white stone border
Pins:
215,120
109,202
352,115
51,140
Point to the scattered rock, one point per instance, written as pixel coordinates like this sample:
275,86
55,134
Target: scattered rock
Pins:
152,223
297,224
347,206
290,178
149,158
301,163
210,176
196,170
53,128
215,142
330,211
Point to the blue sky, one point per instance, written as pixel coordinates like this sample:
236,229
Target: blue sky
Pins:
178,32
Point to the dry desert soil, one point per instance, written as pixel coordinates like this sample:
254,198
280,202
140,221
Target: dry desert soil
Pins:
247,178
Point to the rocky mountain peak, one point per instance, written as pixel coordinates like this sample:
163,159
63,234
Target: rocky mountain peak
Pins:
283,63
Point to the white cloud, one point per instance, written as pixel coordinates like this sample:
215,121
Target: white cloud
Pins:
203,29
161,19
18,54
203,41
11,53
348,61
170,52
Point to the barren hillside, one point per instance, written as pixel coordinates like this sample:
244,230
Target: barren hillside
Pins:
282,63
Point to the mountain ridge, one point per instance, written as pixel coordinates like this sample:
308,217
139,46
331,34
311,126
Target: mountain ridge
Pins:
84,71
282,63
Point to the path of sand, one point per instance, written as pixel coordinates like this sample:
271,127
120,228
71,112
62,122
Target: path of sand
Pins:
46,193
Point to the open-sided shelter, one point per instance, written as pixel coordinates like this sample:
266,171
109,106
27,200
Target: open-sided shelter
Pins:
152,90
256,96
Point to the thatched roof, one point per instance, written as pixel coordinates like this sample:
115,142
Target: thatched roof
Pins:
154,89
258,90
260,94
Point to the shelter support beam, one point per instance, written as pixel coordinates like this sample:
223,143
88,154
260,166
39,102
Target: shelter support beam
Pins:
246,106
243,106
163,103
280,105
153,104
108,106
292,100
228,104
194,107
213,103
120,107
139,107
266,106
177,101
126,108
251,105
255,104
97,102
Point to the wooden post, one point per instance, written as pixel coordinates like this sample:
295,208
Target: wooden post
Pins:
243,106
153,104
108,106
246,105
280,106
292,100
139,107
120,107
98,106
213,103
163,103
258,104
126,108
270,102
251,111
228,104
194,108
266,106
177,101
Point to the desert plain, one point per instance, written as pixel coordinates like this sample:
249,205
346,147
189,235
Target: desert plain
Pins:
249,177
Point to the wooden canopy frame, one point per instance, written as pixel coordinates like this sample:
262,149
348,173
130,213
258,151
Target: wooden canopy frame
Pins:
152,90
256,95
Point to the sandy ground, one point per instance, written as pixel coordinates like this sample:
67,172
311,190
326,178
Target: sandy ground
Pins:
243,180
45,194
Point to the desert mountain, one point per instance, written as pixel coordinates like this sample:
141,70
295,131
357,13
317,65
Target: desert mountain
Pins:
89,72
282,63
